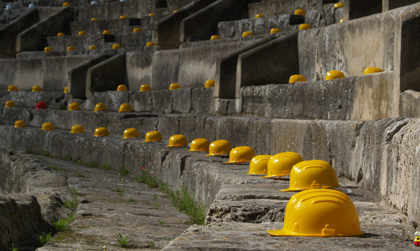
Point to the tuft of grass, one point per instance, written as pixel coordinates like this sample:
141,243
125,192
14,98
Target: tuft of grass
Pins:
161,222
154,196
14,248
44,238
132,201
119,190
123,171
150,180
156,205
93,163
78,161
124,242
71,204
152,245
30,151
63,224
53,167
181,199
45,153
74,192
105,166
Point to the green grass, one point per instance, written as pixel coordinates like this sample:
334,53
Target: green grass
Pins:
44,238
71,204
45,153
53,167
148,179
154,196
152,245
132,201
181,199
124,242
161,222
123,171
63,224
118,190
105,166
93,163
14,248
156,205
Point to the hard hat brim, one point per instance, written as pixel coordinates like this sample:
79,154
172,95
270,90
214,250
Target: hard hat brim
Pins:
236,162
197,151
285,232
255,173
277,177
306,188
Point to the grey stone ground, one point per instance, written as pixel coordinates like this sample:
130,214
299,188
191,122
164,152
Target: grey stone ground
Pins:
110,204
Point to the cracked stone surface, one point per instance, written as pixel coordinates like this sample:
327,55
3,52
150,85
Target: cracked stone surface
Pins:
110,204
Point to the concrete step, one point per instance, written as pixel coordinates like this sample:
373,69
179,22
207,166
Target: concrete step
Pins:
116,26
285,22
276,8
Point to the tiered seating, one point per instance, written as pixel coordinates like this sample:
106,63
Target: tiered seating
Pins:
347,120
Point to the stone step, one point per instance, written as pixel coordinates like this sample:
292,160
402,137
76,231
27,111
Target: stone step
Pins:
285,22
116,26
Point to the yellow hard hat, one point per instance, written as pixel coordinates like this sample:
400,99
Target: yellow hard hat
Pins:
320,213
93,47
297,78
241,154
106,32
11,88
153,136
47,49
247,34
151,14
258,164
61,34
100,107
177,140
20,124
214,37
175,11
123,16
93,19
70,48
334,75
137,29
101,132
300,12
281,164
121,88
74,106
36,88
219,147
338,5
65,90
275,30
209,83
304,26
341,21
174,86
125,108
77,129
145,88
150,44
259,16
312,174
370,70
81,33
131,133
199,145
66,4
10,103
47,126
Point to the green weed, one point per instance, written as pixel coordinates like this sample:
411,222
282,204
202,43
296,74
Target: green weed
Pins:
93,163
105,166
44,238
161,222
45,153
63,224
124,242
132,201
152,245
154,196
156,205
123,171
53,167
71,204
151,181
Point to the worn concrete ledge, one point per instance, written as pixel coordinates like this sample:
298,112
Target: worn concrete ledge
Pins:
391,142
26,99
409,104
366,97
192,66
114,25
286,23
276,8
80,42
48,72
